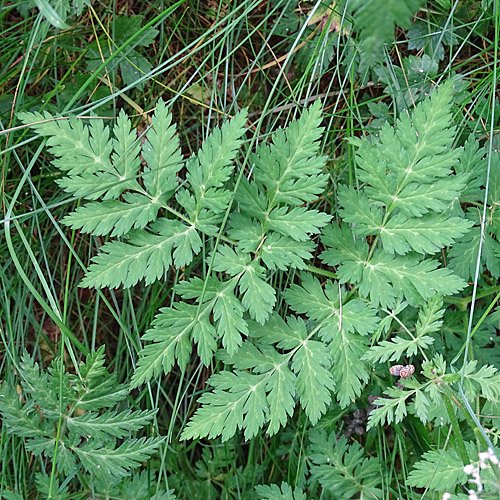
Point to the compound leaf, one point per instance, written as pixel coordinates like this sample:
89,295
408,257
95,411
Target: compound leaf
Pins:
342,468
438,470
116,462
283,492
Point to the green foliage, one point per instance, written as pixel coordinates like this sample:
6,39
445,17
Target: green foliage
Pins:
428,396
375,20
299,319
429,321
438,470
408,185
343,469
66,418
55,12
388,229
267,228
131,63
283,492
463,255
432,38
290,360
98,166
314,352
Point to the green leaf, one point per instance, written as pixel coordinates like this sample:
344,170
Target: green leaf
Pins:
332,309
280,386
196,288
349,371
162,155
212,166
376,21
430,317
463,254
418,152
80,147
486,381
388,277
251,200
44,486
417,199
314,380
86,438
116,462
204,335
258,296
51,15
113,217
289,169
342,324
310,299
283,492
228,261
438,470
396,348
282,252
421,406
228,312
287,334
429,321
127,147
238,401
96,387
358,209
247,232
281,392
298,222
17,419
262,388
311,362
473,166
187,241
345,251
390,409
92,186
171,334
343,469
133,68
37,383
108,424
82,150
426,234
144,256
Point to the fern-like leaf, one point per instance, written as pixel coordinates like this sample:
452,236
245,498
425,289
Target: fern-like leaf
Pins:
429,321
438,470
343,469
394,406
162,155
81,431
267,392
171,332
376,21
143,255
289,170
283,492
298,222
116,462
343,325
108,424
396,170
113,217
